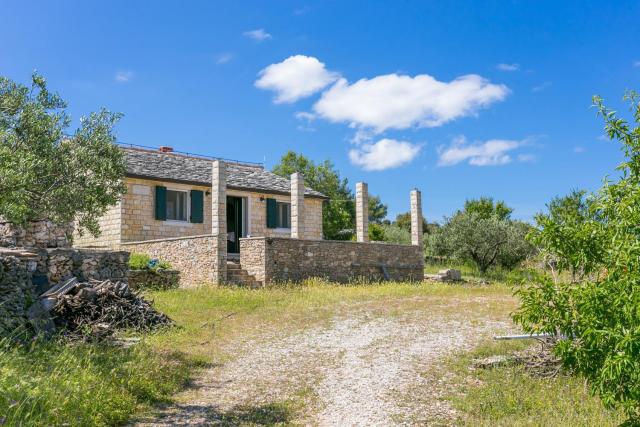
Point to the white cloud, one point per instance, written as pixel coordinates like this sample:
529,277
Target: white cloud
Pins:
384,154
526,158
304,115
493,152
296,77
508,67
123,76
258,35
395,101
636,63
541,87
223,58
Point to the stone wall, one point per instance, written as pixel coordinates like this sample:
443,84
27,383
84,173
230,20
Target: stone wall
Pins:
25,274
16,295
273,260
85,264
109,236
36,234
154,279
193,256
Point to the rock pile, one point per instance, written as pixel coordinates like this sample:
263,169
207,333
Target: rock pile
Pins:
448,275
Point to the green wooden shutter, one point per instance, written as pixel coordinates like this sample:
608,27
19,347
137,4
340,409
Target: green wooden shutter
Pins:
161,203
197,206
272,213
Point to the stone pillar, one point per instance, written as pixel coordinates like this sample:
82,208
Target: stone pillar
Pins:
219,217
297,206
362,212
416,218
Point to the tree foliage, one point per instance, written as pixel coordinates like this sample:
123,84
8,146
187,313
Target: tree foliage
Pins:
599,315
484,234
339,212
45,173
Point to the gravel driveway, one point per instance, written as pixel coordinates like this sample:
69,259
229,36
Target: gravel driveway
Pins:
359,369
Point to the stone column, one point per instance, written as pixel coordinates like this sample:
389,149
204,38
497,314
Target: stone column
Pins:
297,206
362,212
219,218
416,218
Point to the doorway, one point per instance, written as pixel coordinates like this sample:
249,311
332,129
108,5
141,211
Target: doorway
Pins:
236,227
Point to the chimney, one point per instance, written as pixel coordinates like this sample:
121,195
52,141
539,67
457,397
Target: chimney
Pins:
165,149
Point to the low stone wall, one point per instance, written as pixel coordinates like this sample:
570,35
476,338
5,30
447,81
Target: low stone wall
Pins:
274,259
154,279
37,234
16,294
193,256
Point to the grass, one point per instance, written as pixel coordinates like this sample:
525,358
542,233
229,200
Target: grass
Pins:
510,396
57,383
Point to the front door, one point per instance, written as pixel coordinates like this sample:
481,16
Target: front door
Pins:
234,224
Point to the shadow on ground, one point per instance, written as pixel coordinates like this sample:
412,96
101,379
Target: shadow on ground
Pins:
204,415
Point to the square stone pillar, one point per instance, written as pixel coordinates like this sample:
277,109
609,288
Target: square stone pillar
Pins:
297,206
416,218
362,212
219,218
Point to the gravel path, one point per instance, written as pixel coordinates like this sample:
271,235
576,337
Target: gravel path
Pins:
359,370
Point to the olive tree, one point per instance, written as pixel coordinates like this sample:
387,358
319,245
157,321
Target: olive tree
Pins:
597,317
483,234
46,173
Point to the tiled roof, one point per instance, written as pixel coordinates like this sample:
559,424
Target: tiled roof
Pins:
195,170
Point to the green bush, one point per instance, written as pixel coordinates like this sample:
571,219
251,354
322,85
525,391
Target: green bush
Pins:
597,312
145,262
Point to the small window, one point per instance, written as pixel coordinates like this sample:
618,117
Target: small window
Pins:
176,205
284,215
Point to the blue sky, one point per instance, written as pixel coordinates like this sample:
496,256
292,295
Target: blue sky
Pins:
459,99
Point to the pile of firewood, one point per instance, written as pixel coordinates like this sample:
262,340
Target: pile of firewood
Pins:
99,309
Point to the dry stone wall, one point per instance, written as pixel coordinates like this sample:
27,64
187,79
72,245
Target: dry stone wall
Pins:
193,256
16,295
36,234
272,259
154,279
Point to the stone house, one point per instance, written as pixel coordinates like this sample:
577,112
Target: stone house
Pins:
226,221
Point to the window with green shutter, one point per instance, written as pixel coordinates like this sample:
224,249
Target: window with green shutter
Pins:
161,203
272,213
197,206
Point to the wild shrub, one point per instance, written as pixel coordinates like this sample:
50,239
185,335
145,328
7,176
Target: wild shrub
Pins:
597,239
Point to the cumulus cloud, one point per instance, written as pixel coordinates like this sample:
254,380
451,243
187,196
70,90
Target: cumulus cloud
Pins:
493,152
258,35
395,101
384,154
294,78
508,67
123,76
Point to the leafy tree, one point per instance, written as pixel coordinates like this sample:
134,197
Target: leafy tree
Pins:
482,233
46,174
376,232
486,208
403,221
395,234
564,237
598,317
377,210
338,213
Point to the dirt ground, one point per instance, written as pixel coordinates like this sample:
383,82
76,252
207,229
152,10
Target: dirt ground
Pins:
363,367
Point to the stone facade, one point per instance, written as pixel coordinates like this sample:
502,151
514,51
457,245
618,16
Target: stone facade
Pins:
37,234
416,218
16,294
272,260
297,206
133,219
193,256
362,212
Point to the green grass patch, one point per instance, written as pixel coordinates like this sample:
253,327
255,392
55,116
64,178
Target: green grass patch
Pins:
510,396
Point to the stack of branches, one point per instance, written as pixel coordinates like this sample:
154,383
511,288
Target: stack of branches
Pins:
99,309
